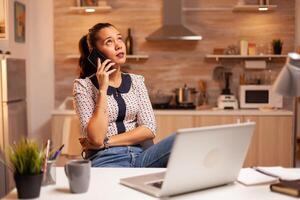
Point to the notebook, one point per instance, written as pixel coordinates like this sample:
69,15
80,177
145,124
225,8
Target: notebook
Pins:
281,172
291,188
249,176
267,175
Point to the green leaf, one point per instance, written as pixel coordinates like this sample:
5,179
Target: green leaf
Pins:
26,157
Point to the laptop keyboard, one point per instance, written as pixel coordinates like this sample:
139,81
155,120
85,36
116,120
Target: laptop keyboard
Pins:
157,184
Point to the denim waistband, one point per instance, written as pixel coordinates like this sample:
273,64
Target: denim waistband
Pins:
87,154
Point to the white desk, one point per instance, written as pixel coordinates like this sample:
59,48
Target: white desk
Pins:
105,185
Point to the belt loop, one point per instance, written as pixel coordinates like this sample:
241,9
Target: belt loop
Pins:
83,154
129,149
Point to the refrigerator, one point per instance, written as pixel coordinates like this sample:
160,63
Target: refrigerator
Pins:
13,114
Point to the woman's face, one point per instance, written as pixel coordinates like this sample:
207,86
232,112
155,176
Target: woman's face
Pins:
110,43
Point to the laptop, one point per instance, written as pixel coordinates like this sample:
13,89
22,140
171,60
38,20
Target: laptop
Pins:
201,158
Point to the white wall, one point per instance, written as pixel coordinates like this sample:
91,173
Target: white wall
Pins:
18,50
41,71
39,55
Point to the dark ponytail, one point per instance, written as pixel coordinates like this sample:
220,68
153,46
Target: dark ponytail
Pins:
86,43
86,68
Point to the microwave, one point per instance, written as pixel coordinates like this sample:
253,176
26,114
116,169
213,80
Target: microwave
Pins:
256,96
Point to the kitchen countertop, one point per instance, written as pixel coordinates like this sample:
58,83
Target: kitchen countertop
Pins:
203,112
225,112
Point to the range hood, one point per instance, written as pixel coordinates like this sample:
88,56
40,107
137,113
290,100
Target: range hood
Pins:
172,28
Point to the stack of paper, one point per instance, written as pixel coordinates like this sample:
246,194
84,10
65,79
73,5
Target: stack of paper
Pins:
249,176
266,175
281,172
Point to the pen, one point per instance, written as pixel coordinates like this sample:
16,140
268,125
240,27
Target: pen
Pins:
265,173
47,155
56,154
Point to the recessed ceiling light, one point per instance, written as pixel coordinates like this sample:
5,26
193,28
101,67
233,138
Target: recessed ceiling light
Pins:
263,8
90,10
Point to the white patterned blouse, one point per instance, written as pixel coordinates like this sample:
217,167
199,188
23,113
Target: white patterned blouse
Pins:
129,105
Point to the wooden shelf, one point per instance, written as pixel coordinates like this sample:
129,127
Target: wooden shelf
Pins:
90,9
254,8
72,56
217,57
210,9
128,57
137,57
237,8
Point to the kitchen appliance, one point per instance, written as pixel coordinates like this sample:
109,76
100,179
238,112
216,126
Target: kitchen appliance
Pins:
172,24
256,96
13,115
227,100
160,99
185,95
165,101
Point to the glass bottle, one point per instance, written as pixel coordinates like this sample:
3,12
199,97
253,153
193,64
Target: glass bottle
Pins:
129,43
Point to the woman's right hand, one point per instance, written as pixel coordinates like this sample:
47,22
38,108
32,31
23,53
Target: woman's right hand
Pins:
103,72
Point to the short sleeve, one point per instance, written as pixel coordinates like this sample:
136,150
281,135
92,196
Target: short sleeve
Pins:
145,115
83,103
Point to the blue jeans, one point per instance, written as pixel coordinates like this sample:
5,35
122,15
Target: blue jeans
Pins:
134,156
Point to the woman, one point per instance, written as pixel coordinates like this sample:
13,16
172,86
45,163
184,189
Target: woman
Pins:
114,107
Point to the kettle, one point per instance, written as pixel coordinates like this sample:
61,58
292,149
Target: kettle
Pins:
185,95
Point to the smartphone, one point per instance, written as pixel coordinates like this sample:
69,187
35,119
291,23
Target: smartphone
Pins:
94,55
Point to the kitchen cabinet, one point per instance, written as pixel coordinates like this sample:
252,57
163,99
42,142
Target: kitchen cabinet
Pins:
245,57
66,130
271,145
272,142
168,124
207,120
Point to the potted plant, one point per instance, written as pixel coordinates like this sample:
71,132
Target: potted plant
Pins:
26,159
277,46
